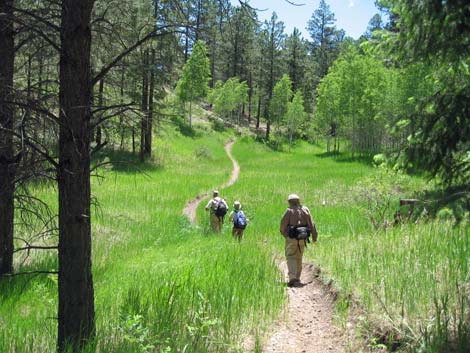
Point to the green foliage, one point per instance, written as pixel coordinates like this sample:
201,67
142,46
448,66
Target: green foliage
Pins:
352,101
229,97
183,127
325,37
163,282
193,83
440,128
204,152
218,125
435,34
296,115
432,29
282,95
158,280
378,196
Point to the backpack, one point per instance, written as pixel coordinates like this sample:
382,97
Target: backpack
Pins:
239,221
299,233
221,209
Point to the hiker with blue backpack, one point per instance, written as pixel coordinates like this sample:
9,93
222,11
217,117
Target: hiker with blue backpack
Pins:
218,209
237,216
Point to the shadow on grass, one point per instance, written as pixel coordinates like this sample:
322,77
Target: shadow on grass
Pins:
345,157
25,279
125,161
452,202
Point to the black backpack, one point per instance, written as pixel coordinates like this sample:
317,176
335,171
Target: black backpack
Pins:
221,209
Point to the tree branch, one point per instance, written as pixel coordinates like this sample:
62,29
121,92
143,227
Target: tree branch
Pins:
129,50
35,247
31,273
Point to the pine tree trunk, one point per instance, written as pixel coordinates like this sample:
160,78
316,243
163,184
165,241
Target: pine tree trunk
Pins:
190,113
186,44
268,128
100,105
76,316
148,139
145,89
121,119
7,166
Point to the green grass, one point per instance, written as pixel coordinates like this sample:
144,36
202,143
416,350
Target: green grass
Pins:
160,283
413,280
163,285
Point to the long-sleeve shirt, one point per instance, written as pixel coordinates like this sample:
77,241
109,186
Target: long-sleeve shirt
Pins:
298,216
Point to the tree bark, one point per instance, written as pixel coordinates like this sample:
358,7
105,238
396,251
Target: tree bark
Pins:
76,317
148,139
121,118
250,97
144,107
98,136
7,163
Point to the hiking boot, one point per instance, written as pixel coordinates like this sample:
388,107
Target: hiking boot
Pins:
292,282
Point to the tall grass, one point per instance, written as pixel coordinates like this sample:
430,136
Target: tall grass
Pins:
413,280
164,285
161,284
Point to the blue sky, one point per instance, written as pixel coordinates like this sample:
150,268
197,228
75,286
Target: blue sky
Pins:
351,15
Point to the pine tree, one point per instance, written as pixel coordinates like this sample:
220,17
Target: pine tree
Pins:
325,37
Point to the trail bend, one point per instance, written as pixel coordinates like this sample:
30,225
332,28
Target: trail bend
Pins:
306,326
190,209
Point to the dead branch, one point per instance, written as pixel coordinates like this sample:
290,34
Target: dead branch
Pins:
31,273
36,247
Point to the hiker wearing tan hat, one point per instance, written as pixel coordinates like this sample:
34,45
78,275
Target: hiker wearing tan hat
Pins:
218,209
296,226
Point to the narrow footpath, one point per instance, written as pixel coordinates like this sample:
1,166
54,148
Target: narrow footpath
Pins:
191,207
306,326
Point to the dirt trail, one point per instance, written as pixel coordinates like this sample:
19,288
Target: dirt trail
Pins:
307,325
191,207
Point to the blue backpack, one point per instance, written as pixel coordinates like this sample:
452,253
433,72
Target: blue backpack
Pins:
239,220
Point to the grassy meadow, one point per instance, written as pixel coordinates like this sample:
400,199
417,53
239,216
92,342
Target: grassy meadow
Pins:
411,282
164,285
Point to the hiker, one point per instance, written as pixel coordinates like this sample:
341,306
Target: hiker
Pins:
218,209
296,226
237,216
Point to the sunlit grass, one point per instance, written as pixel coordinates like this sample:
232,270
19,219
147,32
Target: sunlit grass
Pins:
161,284
164,285
413,279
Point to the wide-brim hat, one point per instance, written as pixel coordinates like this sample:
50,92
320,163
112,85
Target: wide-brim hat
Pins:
293,197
